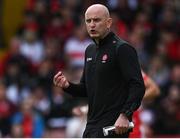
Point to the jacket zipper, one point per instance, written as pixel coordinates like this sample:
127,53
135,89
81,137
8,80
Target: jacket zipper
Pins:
97,52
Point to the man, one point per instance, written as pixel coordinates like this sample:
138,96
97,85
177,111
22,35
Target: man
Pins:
152,92
111,80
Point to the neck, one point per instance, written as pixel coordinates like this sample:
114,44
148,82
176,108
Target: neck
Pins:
98,39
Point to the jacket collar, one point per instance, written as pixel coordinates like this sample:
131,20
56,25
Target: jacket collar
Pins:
105,40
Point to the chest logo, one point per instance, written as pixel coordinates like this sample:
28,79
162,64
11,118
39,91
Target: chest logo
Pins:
89,59
104,58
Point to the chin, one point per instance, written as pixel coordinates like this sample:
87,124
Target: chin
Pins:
94,36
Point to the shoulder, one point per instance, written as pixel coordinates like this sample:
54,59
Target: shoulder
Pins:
90,47
123,46
126,47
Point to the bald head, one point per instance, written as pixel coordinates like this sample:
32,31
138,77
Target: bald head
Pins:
98,21
101,9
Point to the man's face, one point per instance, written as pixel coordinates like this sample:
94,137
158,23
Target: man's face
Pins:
97,23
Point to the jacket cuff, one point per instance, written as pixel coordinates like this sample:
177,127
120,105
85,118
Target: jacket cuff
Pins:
128,114
68,88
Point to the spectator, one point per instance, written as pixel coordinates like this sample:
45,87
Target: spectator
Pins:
75,47
31,47
58,28
41,101
167,120
31,122
6,110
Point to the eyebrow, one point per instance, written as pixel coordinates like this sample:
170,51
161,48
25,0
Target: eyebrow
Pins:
94,18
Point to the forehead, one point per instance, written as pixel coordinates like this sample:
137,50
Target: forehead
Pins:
94,13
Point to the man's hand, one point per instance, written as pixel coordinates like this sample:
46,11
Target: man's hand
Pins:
122,124
60,80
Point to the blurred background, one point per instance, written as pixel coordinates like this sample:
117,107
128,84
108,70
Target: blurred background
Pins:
40,37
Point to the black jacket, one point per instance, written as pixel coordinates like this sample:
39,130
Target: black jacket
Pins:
111,80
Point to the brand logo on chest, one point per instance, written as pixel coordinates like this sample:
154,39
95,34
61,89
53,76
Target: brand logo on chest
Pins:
89,59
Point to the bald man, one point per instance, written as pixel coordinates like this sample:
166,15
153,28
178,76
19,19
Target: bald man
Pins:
111,79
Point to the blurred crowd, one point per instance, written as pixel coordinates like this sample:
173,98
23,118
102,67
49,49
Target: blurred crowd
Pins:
53,37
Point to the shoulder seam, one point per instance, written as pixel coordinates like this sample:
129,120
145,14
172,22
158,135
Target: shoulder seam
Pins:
120,42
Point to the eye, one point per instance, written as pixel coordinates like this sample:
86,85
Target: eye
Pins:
97,19
88,20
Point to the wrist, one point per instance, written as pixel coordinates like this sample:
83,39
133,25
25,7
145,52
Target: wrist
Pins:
127,114
124,115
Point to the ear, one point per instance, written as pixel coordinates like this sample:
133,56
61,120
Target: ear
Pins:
109,22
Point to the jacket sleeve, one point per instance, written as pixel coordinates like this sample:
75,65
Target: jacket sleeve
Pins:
78,90
131,73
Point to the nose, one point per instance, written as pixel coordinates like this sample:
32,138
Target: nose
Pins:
92,24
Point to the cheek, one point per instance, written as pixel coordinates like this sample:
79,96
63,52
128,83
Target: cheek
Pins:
102,28
88,27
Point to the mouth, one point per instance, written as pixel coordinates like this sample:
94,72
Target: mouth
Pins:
92,31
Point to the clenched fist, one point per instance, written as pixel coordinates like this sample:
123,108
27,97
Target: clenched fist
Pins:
60,80
122,124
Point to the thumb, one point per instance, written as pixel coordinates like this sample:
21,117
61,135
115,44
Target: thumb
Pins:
66,85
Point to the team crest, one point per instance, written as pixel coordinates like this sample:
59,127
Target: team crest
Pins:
104,58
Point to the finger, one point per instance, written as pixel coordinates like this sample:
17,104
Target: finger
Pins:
124,130
57,75
64,83
121,130
118,130
59,81
56,79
